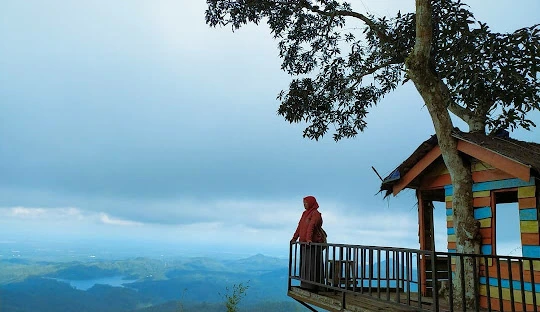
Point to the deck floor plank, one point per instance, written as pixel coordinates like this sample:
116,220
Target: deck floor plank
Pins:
358,302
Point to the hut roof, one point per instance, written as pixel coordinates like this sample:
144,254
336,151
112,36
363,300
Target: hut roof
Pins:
526,153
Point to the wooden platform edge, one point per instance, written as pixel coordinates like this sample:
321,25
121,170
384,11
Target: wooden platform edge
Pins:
327,301
317,300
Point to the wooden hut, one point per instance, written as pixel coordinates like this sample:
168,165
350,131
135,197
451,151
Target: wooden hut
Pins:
504,170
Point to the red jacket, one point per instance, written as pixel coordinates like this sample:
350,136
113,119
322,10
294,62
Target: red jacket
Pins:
310,221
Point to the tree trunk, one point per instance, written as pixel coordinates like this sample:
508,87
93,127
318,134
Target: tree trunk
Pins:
431,88
477,125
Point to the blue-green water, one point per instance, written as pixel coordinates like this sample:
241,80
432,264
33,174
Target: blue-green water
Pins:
115,281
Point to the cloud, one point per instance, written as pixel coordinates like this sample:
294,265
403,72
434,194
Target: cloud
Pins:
273,223
41,213
250,213
248,223
63,215
382,228
27,212
113,221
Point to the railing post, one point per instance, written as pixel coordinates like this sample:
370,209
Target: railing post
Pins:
488,288
362,269
379,273
476,283
290,266
419,257
511,284
462,278
499,285
522,286
397,271
450,283
308,270
435,291
408,266
322,265
370,268
355,268
326,277
531,269
387,256
402,271
348,267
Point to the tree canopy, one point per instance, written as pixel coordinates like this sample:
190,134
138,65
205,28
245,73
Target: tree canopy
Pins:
339,72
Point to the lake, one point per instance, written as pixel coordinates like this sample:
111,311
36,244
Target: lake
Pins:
115,281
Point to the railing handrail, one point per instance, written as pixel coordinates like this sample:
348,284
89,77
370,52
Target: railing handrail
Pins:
419,251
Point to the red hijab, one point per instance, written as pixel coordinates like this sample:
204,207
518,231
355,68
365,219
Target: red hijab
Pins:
312,202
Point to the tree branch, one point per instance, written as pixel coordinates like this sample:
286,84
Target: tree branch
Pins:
380,33
373,70
476,122
462,112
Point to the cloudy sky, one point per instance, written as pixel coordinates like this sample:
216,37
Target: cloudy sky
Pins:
135,121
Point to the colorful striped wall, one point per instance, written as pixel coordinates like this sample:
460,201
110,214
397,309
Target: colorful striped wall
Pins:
504,292
528,216
483,212
487,179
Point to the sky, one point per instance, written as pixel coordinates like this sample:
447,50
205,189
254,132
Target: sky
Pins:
135,123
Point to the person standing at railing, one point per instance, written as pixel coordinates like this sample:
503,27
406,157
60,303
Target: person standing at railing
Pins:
311,259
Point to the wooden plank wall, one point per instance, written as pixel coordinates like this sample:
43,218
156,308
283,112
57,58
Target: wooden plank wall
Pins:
486,179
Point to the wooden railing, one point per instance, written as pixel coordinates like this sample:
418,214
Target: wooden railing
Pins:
418,279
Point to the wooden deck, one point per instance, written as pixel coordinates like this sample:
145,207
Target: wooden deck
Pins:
356,302
371,278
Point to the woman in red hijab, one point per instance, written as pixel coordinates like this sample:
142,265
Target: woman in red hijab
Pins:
310,256
311,220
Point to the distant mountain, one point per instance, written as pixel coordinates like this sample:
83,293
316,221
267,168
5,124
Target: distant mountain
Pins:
42,294
199,284
16,261
206,264
260,262
83,272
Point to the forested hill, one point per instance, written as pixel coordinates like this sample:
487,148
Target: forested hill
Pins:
149,285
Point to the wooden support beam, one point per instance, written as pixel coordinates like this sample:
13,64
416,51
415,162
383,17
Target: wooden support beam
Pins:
499,161
417,169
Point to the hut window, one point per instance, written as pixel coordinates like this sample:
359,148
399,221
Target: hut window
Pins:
507,226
